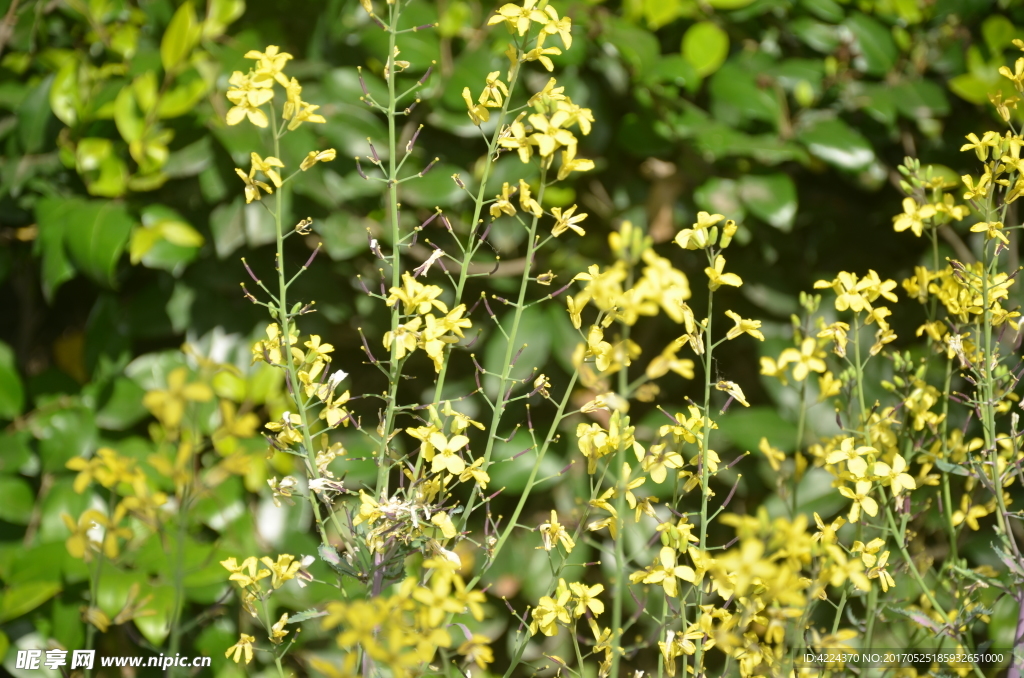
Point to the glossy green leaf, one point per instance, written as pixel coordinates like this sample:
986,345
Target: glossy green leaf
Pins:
14,450
23,598
182,98
221,14
816,35
838,144
123,407
16,506
826,10
999,33
770,197
638,47
674,69
227,223
65,99
921,98
52,215
729,4
5,644
736,97
64,434
12,393
181,35
706,46
126,115
33,117
876,51
96,233
720,196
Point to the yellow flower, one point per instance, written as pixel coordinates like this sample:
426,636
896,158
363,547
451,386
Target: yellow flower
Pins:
807,359
665,572
896,475
245,574
269,64
566,220
541,54
658,460
991,229
979,190
502,203
913,217
306,114
1016,76
517,18
775,456
283,570
879,572
277,631
243,646
743,326
826,534
313,157
252,185
861,500
697,237
446,457
267,167
478,113
477,473
716,277
570,163
169,406
550,611
80,544
981,146
560,27
555,531
247,97
828,386
734,390
599,349
526,201
585,599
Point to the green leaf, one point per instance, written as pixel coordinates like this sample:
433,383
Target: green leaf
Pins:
729,4
344,235
998,32
65,434
51,216
12,393
65,99
638,47
18,499
706,46
770,197
955,469
130,124
876,51
96,234
22,599
123,407
922,98
745,427
14,450
674,69
816,35
305,615
220,14
33,117
720,196
826,10
181,35
227,223
737,99
5,644
970,87
183,98
838,144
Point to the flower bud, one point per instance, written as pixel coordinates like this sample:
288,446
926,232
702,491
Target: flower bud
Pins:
728,232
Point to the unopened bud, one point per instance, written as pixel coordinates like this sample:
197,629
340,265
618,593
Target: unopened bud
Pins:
728,232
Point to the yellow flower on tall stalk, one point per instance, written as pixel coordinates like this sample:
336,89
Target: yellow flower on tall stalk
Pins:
248,96
242,647
665,572
270,64
717,276
913,217
169,405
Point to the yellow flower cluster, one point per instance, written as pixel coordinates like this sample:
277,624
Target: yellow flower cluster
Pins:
422,329
403,631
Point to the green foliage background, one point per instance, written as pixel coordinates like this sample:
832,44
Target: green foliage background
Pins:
122,221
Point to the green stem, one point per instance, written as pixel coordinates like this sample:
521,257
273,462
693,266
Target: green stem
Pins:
501,401
291,370
394,365
705,473
620,565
